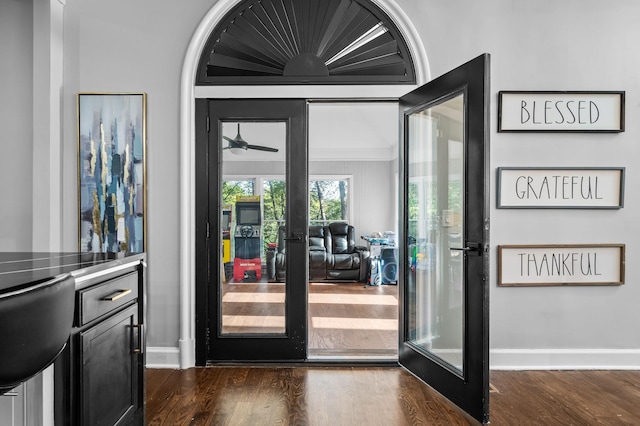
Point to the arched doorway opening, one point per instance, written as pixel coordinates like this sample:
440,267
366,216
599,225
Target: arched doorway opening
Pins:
190,91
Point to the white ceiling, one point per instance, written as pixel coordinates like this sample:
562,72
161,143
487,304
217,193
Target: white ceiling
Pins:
355,131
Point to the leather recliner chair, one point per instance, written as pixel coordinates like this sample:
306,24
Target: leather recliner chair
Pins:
280,266
333,254
345,260
317,253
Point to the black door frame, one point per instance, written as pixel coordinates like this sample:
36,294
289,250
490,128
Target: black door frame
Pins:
478,66
210,345
471,391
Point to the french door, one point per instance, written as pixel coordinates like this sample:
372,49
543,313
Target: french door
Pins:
444,229
444,232
254,178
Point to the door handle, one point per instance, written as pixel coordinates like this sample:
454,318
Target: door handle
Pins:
471,247
141,339
299,237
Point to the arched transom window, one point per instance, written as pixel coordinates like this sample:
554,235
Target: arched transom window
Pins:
305,41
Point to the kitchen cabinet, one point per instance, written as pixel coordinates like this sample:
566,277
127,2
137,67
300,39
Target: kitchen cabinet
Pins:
99,378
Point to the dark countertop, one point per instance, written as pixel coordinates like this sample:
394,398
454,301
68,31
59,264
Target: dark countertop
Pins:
18,270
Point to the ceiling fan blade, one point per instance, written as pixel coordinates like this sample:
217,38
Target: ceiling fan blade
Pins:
240,143
262,148
236,143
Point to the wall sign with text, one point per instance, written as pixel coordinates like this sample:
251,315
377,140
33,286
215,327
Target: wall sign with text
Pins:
551,111
560,265
560,188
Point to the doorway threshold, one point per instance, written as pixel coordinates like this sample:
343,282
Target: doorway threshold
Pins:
353,356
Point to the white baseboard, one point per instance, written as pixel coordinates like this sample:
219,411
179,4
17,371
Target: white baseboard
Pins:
187,349
500,359
564,359
163,357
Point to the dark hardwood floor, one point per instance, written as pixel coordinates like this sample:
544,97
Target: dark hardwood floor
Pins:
386,396
350,321
565,398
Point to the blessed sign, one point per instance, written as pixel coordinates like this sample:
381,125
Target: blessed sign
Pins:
560,111
580,264
597,188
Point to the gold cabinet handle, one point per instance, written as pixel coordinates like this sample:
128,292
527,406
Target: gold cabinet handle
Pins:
117,295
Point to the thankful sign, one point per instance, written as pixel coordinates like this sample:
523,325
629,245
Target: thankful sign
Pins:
580,264
561,111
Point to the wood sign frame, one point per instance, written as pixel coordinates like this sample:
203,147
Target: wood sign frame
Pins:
561,265
560,187
561,111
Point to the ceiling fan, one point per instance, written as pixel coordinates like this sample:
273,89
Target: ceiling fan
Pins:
238,145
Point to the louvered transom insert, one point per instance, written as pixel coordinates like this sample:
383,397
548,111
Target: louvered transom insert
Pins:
305,41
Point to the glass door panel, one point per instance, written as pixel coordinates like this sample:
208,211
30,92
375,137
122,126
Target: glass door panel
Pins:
444,335
255,262
253,301
435,205
353,160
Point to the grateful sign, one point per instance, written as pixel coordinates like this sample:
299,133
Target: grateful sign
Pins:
597,188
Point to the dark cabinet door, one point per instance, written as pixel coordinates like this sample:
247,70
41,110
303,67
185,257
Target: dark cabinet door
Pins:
109,371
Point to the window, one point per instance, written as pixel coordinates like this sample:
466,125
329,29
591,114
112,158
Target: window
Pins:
269,41
233,188
274,203
328,201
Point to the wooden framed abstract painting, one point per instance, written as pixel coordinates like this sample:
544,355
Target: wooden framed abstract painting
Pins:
112,172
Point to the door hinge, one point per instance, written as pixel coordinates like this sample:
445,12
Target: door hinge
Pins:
208,233
208,125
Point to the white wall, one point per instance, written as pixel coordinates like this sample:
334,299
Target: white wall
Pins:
372,194
125,46
16,124
549,45
537,45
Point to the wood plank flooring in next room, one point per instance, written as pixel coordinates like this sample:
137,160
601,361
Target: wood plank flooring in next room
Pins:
353,320
345,319
385,396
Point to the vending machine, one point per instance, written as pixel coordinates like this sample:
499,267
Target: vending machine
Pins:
247,239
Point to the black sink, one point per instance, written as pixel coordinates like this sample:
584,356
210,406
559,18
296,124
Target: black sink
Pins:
35,323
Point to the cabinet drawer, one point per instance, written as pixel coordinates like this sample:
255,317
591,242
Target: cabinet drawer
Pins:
105,297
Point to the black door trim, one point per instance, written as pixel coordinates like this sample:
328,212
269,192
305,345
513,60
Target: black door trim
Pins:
209,345
471,392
